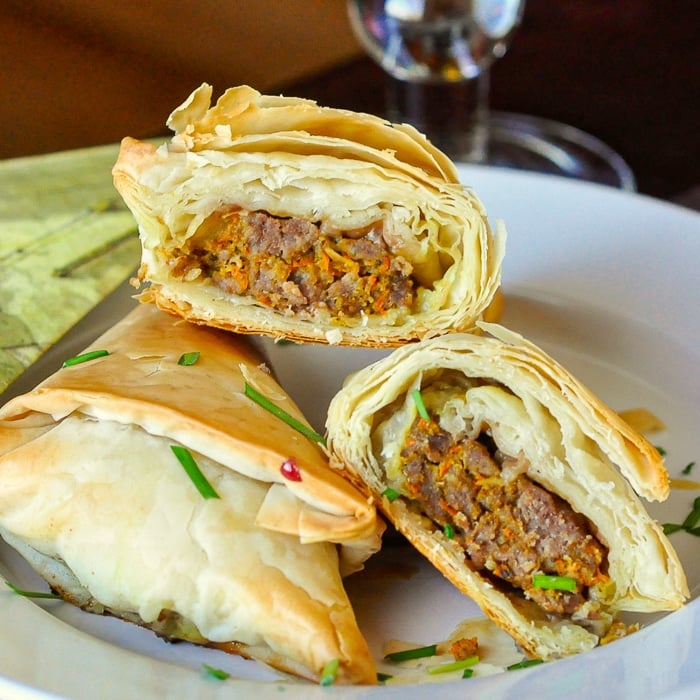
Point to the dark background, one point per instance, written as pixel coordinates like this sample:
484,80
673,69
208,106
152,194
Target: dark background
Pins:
74,75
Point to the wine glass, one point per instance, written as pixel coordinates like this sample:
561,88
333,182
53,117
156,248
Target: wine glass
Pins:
437,55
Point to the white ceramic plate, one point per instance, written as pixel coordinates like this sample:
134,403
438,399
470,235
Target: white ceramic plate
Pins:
604,280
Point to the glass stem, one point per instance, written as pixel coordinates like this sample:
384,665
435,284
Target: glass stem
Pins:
452,115
480,138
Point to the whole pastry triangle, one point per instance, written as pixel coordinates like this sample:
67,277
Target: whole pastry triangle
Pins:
92,495
500,467
274,215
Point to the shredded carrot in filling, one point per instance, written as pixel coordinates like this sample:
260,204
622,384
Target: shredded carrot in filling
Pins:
510,528
295,265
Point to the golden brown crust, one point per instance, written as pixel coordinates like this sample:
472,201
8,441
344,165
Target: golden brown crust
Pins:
574,446
112,488
290,120
291,158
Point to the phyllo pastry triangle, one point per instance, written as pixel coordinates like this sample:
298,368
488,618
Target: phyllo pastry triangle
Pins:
144,482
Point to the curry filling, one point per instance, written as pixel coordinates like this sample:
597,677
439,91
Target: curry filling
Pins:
294,265
510,527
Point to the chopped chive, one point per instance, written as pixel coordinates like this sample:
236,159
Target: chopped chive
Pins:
190,466
383,677
84,357
420,405
688,468
416,653
558,583
32,594
468,673
215,672
524,664
390,494
283,415
661,450
454,665
284,341
188,358
449,531
693,518
689,524
329,672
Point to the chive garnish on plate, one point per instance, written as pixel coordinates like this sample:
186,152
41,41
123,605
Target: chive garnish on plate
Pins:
415,653
693,518
32,594
454,665
688,468
292,422
689,525
420,404
215,672
188,358
329,672
524,664
557,583
186,459
84,357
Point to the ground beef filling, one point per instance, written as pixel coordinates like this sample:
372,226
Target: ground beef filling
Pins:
291,264
508,525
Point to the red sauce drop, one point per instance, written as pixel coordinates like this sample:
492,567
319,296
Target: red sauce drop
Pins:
290,470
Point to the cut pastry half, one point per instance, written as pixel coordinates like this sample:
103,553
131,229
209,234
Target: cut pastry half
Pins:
274,215
515,481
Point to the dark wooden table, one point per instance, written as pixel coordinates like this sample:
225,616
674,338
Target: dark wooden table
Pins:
623,70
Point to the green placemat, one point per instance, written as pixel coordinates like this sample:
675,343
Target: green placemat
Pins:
66,241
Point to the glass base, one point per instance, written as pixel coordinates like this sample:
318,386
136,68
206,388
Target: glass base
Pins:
531,143
457,119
